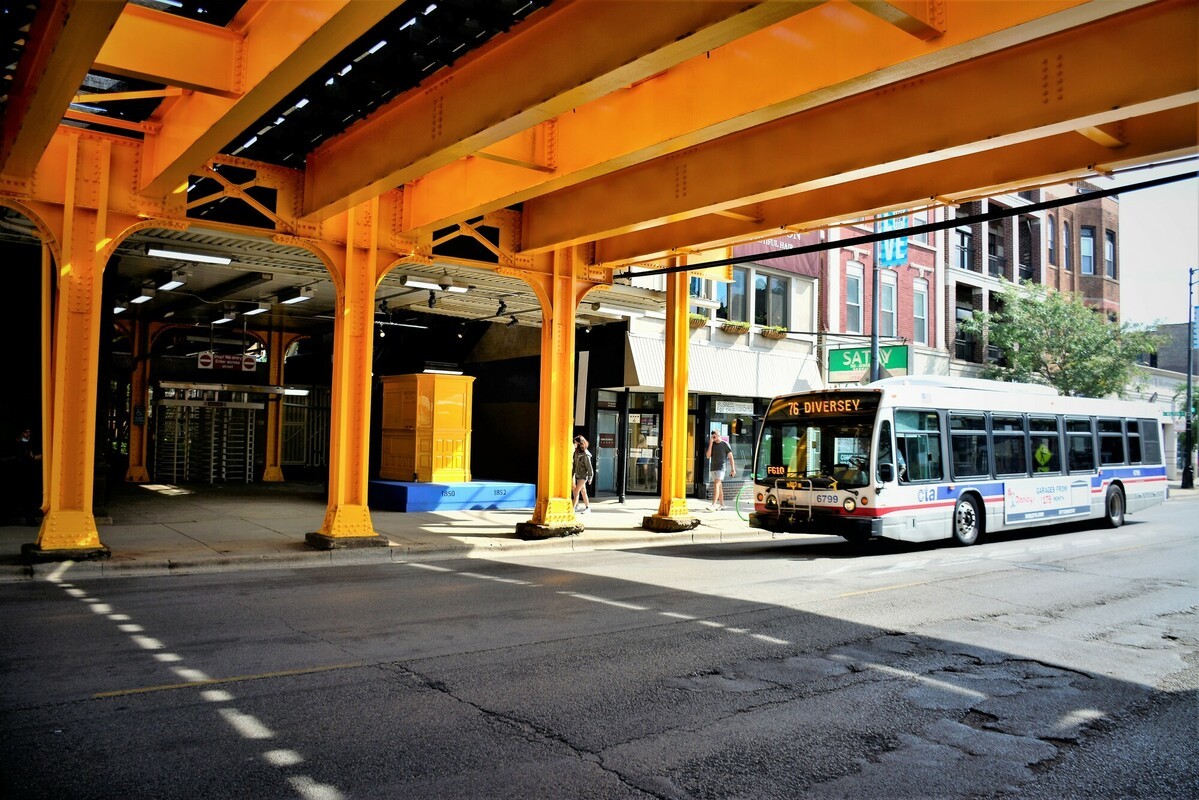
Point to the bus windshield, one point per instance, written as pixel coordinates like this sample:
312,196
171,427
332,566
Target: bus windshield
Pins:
822,438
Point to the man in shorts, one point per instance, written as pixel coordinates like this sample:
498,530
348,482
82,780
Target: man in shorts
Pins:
719,454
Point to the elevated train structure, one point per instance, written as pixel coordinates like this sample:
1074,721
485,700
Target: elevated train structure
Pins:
363,155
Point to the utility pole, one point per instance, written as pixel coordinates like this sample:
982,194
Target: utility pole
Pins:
1188,470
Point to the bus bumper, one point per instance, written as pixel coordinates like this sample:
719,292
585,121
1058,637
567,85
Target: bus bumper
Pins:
839,525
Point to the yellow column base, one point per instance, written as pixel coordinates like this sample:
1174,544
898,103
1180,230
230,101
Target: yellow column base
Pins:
345,527
552,517
672,516
67,534
137,475
272,475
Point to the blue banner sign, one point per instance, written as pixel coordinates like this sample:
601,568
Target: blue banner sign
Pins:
891,252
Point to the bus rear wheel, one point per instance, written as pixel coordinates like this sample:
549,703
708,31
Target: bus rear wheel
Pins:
1114,507
967,521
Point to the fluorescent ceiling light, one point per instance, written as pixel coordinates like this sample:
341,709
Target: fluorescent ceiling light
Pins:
146,296
435,371
450,286
119,307
261,308
202,258
415,282
616,313
177,279
228,316
301,295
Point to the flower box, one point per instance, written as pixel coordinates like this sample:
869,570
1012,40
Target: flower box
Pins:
735,328
697,320
773,333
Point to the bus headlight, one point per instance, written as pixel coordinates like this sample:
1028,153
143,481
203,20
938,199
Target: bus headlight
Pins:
772,502
850,504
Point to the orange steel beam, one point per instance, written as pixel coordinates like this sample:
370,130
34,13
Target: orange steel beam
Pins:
562,57
792,66
164,48
1088,76
1063,157
62,42
924,19
285,41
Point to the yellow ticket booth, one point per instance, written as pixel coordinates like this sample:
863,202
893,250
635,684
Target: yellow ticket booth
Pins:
426,428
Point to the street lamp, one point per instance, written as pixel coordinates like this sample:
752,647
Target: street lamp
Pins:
1188,471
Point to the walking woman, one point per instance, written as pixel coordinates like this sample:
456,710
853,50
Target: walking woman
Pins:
583,473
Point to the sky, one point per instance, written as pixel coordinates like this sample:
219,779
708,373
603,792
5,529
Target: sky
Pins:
1159,244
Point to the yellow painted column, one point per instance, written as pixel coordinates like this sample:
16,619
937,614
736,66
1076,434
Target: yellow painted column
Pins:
139,399
86,233
560,288
276,349
355,269
672,509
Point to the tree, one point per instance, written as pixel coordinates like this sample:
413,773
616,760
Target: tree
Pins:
1053,338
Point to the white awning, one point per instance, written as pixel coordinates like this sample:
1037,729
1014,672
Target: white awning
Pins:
737,372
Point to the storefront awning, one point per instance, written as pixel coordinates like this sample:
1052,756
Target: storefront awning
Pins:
720,370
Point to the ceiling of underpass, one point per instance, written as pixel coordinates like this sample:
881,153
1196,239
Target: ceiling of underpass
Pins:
646,130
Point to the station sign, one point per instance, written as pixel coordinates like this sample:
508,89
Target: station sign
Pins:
851,364
231,361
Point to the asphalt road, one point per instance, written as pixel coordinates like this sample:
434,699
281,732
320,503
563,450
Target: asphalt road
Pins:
1040,665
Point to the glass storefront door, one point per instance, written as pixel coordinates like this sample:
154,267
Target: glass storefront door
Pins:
645,431
605,450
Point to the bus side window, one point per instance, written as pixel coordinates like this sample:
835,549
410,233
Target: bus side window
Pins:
918,435
885,455
1046,455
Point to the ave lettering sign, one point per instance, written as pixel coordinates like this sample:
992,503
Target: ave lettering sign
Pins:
850,364
891,252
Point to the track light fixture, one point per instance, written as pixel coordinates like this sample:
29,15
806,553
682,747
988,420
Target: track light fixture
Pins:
432,298
511,321
499,312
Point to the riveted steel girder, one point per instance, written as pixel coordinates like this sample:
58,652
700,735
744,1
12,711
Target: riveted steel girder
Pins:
561,58
1088,76
792,66
62,42
147,44
285,41
1065,156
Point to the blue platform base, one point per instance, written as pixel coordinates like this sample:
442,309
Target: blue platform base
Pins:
472,495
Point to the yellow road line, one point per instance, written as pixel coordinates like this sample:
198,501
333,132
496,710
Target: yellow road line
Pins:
891,588
235,679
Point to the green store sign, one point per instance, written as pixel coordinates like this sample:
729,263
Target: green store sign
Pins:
851,364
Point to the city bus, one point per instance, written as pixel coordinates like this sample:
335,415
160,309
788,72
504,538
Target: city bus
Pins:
923,458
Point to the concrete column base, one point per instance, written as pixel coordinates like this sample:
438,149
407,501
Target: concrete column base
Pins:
320,541
34,554
669,524
529,531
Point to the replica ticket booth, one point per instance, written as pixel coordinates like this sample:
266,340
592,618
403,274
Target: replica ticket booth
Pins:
426,428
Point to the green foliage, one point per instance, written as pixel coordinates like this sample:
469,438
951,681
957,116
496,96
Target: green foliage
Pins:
1050,337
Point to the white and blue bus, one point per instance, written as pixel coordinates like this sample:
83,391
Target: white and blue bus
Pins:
924,458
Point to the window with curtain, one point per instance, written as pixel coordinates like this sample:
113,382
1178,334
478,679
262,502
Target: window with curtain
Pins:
886,303
920,311
853,299
1086,250
1109,253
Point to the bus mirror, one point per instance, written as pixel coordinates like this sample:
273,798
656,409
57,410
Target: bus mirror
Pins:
886,472
737,426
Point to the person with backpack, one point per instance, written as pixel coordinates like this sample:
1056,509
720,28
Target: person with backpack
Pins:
583,473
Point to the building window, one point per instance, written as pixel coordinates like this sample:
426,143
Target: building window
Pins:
853,298
732,297
1051,239
996,254
963,248
1086,250
920,218
770,300
1067,251
886,303
920,311
1109,253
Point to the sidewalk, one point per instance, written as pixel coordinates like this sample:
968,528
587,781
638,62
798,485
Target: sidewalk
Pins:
161,530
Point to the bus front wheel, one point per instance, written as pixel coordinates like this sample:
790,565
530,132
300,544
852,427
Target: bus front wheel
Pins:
967,521
1114,507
